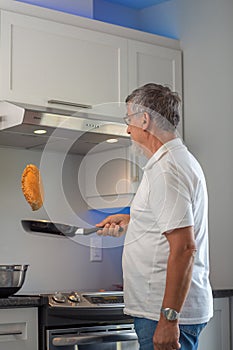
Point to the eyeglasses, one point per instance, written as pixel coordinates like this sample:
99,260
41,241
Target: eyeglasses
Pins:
127,117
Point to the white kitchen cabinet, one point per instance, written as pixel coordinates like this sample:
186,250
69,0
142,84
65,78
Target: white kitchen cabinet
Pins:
150,63
154,63
44,60
110,178
105,169
18,329
216,335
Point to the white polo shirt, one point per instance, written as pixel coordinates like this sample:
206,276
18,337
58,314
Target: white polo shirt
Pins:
172,194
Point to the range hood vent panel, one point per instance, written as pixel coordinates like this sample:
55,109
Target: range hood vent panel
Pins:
18,122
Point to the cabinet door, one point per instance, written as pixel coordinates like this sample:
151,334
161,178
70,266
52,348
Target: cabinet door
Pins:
154,64
216,335
43,60
18,329
108,178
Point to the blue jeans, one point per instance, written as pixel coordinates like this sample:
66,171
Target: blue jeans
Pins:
188,334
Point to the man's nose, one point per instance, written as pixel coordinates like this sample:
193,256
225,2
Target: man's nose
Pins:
128,129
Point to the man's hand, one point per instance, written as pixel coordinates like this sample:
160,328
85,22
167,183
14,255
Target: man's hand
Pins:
166,336
114,225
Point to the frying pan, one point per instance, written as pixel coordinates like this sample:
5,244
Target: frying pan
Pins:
58,228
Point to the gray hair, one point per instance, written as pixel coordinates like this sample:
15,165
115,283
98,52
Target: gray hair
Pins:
159,102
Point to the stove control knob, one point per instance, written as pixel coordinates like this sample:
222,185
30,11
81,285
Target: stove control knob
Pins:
74,297
59,297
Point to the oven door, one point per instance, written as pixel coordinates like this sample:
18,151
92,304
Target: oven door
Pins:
114,337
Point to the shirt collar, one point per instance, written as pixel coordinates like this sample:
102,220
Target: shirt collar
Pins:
166,147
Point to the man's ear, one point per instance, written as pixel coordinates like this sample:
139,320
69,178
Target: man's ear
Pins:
145,121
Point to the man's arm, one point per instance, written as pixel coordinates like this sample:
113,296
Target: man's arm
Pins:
179,273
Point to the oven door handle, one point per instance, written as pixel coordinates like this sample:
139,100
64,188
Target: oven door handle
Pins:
104,337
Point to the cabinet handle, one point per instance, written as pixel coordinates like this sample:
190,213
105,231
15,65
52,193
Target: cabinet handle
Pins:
134,170
72,104
11,333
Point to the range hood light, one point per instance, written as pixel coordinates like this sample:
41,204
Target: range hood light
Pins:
40,131
112,140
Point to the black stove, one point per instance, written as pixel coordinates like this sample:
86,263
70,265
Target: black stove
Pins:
62,311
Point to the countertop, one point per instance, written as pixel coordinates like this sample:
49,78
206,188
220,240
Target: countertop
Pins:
36,300
20,301
222,293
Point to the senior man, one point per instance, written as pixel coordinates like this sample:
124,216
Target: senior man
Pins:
165,256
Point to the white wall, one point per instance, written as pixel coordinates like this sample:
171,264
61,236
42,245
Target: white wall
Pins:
77,7
205,30
56,263
160,19
116,14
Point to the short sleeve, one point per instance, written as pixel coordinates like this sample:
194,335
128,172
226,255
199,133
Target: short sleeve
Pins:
171,201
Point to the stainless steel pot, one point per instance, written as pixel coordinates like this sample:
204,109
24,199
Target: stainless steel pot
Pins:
11,279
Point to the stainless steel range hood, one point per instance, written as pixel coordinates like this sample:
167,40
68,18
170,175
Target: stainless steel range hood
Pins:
76,132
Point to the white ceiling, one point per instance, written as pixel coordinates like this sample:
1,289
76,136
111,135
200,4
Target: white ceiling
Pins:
137,4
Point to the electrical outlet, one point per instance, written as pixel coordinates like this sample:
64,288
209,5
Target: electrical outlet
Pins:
96,248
